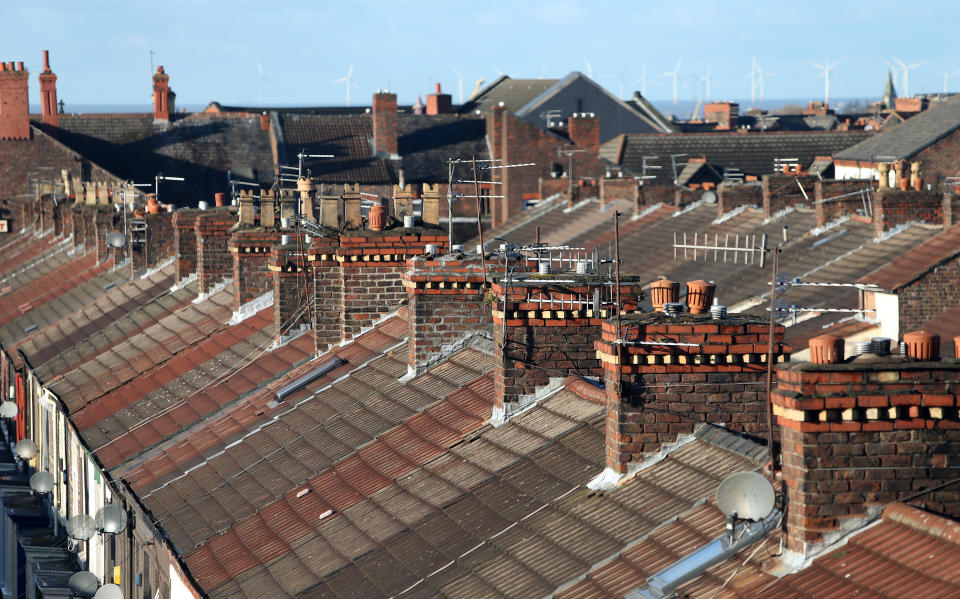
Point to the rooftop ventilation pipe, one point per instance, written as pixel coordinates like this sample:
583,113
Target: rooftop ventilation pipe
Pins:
308,378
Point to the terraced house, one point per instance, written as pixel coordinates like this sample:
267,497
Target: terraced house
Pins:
310,394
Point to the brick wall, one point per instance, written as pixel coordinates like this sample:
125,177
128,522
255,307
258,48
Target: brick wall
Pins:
384,114
940,160
951,209
545,330
214,262
185,242
76,220
857,436
658,194
250,249
612,190
731,196
782,191
14,109
929,295
106,221
665,390
445,304
292,281
833,209
892,207
159,242
328,291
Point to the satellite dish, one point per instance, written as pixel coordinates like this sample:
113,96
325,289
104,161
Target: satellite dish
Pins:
81,527
708,197
109,591
116,240
8,409
746,495
112,519
84,583
41,482
25,449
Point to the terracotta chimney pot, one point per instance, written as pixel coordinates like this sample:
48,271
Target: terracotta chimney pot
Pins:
153,207
700,296
956,346
922,345
826,349
220,199
378,217
663,292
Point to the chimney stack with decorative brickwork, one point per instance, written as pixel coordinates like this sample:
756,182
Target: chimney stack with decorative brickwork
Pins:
214,263
439,103
292,279
860,434
152,240
14,103
48,93
545,329
385,127
163,96
725,114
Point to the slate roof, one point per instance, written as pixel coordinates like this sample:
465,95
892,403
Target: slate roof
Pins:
426,142
514,93
916,262
751,153
347,137
906,139
199,147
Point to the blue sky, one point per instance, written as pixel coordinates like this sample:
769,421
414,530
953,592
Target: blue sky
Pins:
211,49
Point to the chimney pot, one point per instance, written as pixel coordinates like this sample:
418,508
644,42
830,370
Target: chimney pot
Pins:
220,199
922,345
700,296
19,65
46,60
438,88
826,349
663,292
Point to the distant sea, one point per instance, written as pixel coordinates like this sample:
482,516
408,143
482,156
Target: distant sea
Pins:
682,109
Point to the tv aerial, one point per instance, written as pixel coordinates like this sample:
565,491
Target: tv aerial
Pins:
746,496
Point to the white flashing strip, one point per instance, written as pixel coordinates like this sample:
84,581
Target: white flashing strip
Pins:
728,215
576,206
689,208
250,308
609,478
216,288
374,325
648,210
818,231
158,267
779,214
896,231
445,352
792,561
525,403
183,282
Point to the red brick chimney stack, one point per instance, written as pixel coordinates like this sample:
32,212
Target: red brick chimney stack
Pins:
584,131
14,104
48,93
162,96
384,114
859,434
439,103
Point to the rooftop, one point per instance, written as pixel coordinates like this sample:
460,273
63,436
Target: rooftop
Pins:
909,137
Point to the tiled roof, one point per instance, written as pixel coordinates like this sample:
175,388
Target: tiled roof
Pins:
751,153
914,263
910,553
199,147
64,306
125,361
124,312
508,514
909,137
426,142
46,280
514,93
347,137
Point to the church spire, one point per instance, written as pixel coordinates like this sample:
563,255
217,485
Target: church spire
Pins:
889,93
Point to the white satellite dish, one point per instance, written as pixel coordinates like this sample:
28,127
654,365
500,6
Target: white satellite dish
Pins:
81,527
41,482
116,240
25,449
709,197
746,495
83,583
109,591
8,409
112,519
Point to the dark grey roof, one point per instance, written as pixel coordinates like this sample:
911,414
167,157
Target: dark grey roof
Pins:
514,93
362,109
426,142
909,137
199,147
347,137
752,153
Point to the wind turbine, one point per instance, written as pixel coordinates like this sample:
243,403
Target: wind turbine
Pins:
705,80
675,73
947,76
502,74
459,84
589,68
643,81
761,78
752,75
611,76
348,81
825,69
906,74
260,75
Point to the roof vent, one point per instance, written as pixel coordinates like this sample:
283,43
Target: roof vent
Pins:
862,347
308,378
673,309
